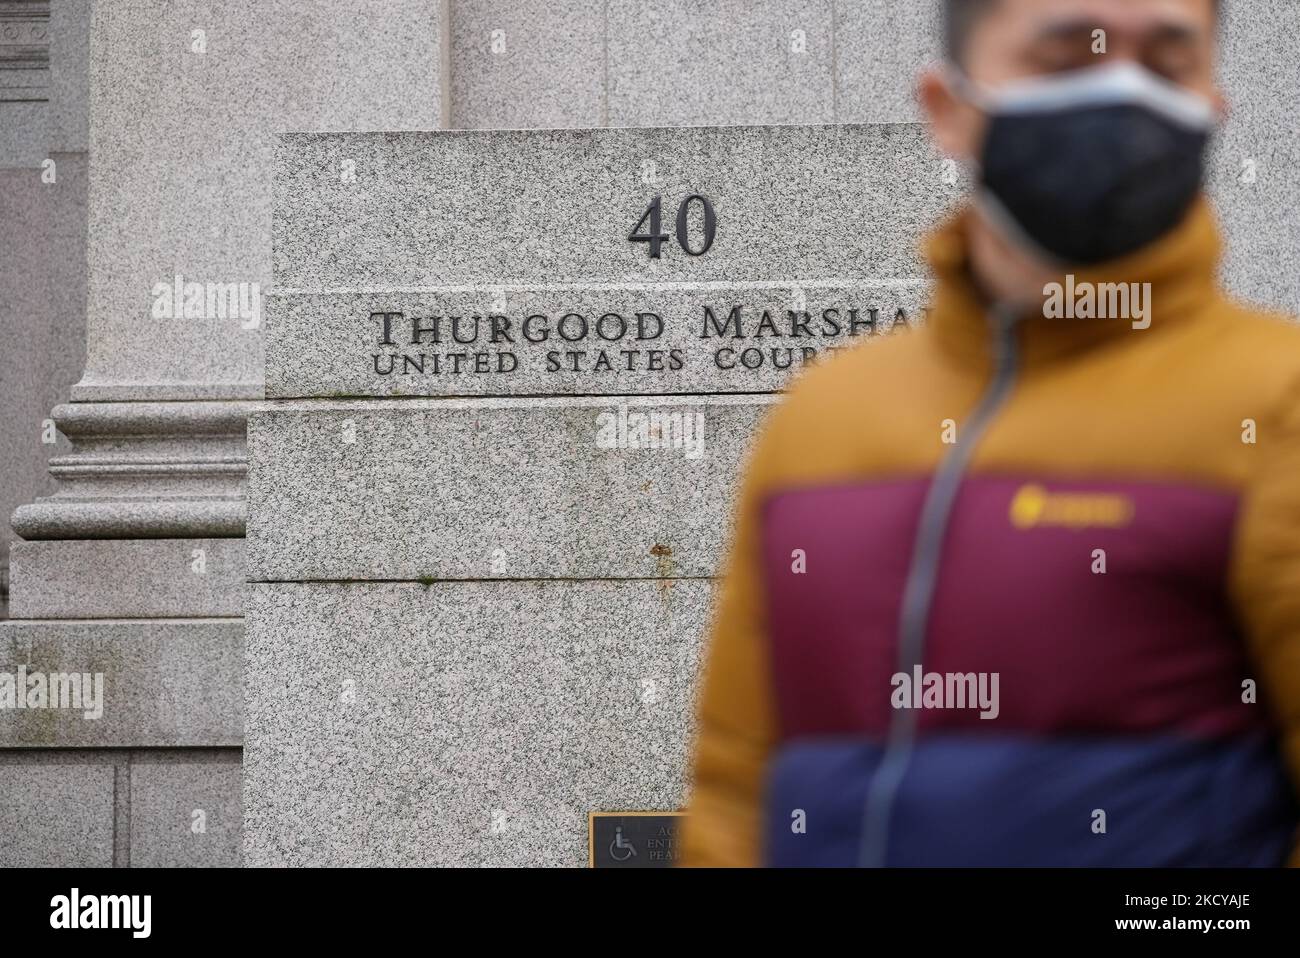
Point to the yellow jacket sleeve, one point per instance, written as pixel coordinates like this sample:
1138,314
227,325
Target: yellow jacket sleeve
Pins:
1267,574
734,729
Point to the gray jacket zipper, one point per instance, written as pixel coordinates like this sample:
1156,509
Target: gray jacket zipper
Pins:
918,592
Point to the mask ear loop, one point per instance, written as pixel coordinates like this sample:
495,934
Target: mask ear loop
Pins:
964,87
984,199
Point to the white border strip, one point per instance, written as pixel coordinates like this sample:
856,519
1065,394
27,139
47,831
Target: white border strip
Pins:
1106,85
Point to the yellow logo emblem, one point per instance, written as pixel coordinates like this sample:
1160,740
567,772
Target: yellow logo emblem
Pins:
1033,507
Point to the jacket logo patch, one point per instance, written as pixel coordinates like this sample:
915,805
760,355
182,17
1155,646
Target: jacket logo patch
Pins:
1035,507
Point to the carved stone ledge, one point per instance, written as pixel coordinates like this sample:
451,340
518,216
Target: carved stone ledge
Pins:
24,50
145,470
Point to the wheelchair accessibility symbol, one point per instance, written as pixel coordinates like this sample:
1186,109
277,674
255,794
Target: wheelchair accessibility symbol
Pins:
620,849
633,839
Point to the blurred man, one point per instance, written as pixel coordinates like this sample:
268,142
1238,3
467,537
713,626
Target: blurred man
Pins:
1023,587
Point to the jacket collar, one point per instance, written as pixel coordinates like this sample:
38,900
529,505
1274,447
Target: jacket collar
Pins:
1181,268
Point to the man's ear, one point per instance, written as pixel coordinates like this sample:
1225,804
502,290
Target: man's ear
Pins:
956,126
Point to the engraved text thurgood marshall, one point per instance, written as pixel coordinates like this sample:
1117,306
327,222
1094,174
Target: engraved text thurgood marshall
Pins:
615,342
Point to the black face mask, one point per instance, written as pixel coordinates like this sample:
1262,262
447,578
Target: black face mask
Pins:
1092,165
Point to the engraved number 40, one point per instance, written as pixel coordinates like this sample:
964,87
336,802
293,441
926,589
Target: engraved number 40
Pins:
652,220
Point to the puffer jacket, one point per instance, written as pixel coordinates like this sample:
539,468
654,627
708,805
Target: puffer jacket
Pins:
1102,519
